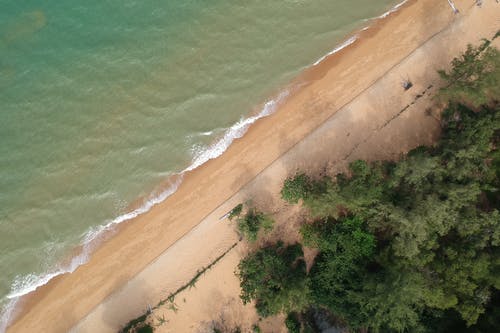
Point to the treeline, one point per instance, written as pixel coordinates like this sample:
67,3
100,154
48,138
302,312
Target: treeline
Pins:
407,246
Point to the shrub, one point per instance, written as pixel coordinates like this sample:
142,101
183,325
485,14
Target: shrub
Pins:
296,188
250,224
235,212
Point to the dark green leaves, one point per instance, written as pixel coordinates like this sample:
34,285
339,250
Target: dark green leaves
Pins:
275,278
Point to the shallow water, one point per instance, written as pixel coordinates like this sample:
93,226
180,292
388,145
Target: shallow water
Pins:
102,100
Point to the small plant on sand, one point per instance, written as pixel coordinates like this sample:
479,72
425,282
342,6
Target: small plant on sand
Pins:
256,329
161,320
250,224
235,212
172,306
193,281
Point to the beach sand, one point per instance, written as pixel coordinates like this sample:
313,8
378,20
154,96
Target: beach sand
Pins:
353,106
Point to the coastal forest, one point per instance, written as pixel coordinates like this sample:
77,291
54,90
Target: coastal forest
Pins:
402,246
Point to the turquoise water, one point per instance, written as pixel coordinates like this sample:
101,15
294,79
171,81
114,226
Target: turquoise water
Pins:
102,100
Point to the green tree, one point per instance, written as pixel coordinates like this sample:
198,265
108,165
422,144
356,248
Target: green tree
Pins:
338,271
412,245
474,78
275,277
437,231
363,187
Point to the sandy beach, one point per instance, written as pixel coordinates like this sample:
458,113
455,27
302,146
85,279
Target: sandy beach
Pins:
350,106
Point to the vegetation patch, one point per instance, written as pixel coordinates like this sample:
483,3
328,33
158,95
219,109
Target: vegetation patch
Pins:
300,187
473,79
275,278
407,246
252,222
235,212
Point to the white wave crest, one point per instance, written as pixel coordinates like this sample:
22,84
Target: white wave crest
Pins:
28,283
234,132
393,9
337,49
355,37
7,313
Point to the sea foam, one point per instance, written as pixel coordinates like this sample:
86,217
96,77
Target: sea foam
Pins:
28,283
235,132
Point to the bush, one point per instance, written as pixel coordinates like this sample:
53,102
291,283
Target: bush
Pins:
235,212
296,188
250,224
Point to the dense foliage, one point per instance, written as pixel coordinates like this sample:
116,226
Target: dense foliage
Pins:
346,248
474,78
412,245
275,277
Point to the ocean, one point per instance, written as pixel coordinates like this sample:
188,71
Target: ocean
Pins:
103,103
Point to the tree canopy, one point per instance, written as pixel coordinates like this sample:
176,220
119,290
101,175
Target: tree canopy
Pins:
473,78
412,245
275,278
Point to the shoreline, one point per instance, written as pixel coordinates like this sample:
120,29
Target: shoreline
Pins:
192,179
93,238
93,241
